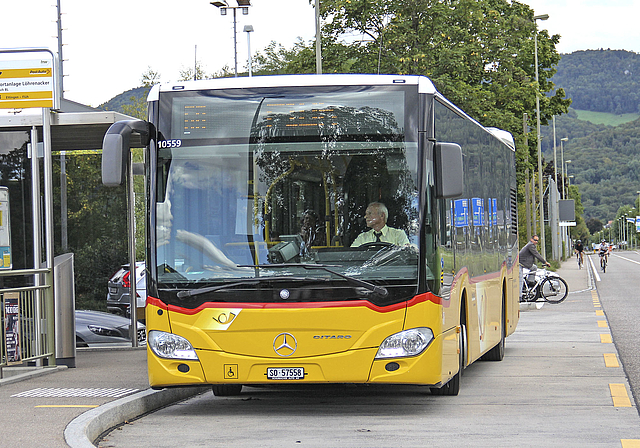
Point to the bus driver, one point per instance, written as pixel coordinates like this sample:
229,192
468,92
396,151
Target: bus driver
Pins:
376,216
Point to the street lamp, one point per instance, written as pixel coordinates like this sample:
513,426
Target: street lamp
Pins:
243,5
562,162
535,43
566,171
249,29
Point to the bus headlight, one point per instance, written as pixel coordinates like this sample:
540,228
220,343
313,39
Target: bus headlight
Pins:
170,346
406,343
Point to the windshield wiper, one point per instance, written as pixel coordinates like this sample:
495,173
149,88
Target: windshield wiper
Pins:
380,290
250,281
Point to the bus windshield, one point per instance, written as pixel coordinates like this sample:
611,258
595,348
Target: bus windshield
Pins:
256,186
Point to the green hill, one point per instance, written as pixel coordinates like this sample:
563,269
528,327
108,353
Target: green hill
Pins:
602,128
601,80
118,102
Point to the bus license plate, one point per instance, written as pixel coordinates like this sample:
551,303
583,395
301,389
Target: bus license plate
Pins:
285,373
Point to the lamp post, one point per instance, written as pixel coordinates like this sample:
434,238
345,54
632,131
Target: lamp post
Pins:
562,162
242,5
541,192
318,41
249,29
566,172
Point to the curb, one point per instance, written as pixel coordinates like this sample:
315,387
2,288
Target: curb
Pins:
87,427
38,371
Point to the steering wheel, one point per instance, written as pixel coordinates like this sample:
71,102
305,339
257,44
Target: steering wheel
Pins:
378,244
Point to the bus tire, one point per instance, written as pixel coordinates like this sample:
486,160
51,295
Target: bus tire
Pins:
226,390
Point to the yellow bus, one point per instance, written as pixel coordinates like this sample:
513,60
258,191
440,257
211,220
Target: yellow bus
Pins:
322,229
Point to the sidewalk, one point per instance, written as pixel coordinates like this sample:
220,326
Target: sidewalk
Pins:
37,406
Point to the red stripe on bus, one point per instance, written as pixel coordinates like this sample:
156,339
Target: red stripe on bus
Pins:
426,297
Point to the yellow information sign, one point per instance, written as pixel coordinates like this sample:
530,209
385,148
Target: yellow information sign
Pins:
26,83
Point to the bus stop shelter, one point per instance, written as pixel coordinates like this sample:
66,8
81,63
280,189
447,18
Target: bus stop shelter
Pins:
38,316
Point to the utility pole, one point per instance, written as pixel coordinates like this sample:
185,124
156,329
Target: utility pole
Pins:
527,200
318,42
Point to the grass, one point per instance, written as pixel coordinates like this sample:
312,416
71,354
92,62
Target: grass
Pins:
606,118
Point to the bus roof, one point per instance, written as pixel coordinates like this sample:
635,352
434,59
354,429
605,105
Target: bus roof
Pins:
424,84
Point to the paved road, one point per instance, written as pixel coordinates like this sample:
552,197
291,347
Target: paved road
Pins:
560,384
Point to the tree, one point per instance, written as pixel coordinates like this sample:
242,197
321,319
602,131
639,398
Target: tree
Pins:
192,74
479,54
150,78
594,225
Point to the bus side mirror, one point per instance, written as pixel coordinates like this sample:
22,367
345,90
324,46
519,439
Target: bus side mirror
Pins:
450,176
115,149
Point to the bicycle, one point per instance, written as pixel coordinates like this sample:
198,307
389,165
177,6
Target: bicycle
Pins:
580,259
542,285
603,262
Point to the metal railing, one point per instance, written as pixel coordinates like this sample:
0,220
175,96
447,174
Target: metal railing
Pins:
31,336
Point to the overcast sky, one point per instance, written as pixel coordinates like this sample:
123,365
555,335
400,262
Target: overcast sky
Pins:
109,45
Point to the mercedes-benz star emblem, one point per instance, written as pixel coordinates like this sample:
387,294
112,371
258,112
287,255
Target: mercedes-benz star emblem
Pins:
285,344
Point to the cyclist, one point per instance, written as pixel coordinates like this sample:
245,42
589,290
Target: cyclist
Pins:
528,255
579,248
604,250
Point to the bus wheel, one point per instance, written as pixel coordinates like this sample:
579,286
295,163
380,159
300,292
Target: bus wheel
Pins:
226,390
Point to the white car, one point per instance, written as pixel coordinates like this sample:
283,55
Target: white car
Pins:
118,296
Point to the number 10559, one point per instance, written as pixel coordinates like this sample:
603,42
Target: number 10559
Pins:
163,144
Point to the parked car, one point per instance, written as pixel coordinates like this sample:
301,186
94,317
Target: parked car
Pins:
118,296
96,328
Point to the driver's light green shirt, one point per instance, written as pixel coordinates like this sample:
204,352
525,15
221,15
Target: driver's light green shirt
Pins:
389,235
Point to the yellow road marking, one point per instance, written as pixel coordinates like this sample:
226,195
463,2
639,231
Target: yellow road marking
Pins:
599,313
619,396
630,443
67,406
606,339
610,360
602,323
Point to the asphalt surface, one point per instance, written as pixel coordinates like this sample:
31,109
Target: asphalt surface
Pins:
559,349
